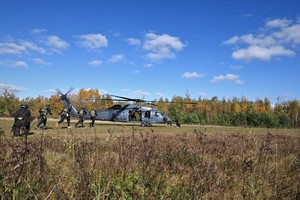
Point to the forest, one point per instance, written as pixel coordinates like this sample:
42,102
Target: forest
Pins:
225,112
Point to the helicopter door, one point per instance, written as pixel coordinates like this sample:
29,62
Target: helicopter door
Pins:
122,116
147,114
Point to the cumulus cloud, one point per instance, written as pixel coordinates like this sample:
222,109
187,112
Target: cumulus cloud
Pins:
189,75
133,41
159,94
38,30
12,88
41,62
44,45
12,48
116,58
95,62
93,41
56,42
21,64
278,23
140,94
148,65
162,46
227,77
278,38
32,46
261,53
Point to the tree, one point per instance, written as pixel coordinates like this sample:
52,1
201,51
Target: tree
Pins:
293,111
9,103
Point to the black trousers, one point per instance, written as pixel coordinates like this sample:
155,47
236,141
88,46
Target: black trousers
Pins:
43,120
63,117
93,118
18,124
80,121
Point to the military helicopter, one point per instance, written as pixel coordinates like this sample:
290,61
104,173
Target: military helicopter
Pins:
123,113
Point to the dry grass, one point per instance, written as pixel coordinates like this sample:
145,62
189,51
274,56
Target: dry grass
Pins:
131,162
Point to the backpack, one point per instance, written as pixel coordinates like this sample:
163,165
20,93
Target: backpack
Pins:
43,111
81,112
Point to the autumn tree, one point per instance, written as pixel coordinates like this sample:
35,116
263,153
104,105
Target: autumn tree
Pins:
9,102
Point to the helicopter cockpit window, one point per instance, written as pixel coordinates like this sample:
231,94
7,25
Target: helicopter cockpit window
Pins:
158,114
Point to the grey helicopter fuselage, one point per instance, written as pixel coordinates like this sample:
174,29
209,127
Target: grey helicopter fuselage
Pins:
125,113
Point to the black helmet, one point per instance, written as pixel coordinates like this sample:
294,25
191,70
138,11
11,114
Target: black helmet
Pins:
23,105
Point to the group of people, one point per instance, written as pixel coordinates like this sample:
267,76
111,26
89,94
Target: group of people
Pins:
23,117
66,114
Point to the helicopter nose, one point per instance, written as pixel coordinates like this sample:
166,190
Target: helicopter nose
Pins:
167,119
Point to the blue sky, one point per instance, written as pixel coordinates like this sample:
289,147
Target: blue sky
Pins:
152,49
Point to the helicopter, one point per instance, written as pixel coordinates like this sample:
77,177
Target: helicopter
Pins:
136,112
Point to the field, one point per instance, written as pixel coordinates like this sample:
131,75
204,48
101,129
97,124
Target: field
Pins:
122,161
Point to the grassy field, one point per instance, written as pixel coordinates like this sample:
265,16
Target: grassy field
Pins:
122,161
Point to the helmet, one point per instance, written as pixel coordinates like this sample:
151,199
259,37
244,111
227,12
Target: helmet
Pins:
24,105
48,104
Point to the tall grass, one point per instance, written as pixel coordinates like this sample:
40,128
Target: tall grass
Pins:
145,164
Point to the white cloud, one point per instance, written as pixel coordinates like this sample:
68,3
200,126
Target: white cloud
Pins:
41,62
21,64
233,40
278,38
95,62
11,88
133,41
289,35
116,58
162,46
261,53
12,48
56,42
148,65
140,94
189,75
33,47
38,31
227,77
159,94
93,41
278,23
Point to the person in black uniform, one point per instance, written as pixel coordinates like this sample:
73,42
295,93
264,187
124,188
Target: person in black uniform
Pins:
93,114
22,118
178,124
44,111
65,114
81,113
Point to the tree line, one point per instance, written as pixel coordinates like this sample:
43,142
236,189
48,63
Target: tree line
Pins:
227,112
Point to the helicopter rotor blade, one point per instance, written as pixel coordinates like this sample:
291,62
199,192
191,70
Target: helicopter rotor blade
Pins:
129,99
59,92
62,95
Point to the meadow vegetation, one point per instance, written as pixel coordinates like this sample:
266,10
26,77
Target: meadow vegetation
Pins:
131,162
